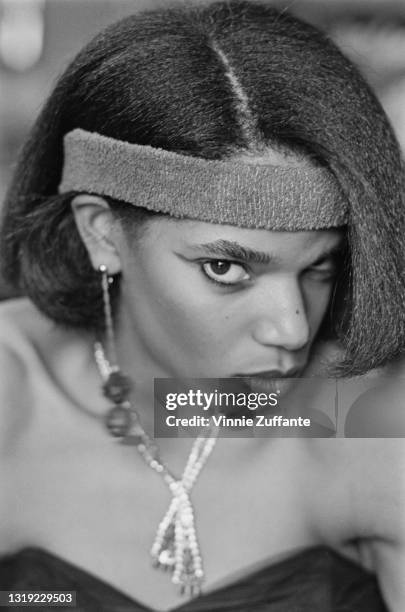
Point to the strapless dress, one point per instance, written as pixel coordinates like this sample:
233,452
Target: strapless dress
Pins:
313,580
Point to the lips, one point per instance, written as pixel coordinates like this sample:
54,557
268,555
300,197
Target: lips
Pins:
271,374
271,381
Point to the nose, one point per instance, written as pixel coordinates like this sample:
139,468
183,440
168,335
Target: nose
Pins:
280,317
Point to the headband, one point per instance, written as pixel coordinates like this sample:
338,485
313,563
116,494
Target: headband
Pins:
232,192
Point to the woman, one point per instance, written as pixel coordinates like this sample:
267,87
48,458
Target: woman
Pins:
181,209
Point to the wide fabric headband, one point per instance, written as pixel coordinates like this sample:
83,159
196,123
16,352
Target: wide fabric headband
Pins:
233,192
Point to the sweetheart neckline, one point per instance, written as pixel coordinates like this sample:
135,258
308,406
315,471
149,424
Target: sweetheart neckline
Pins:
274,565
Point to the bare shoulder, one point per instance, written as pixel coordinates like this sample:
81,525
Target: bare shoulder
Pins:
363,487
16,317
380,489
380,501
15,405
362,500
18,321
372,473
374,452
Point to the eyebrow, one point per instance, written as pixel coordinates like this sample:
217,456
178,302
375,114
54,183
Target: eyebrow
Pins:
234,250
335,250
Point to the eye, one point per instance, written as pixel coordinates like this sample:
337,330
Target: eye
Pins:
325,269
225,272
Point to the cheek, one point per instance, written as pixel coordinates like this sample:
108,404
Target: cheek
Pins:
199,321
176,313
317,298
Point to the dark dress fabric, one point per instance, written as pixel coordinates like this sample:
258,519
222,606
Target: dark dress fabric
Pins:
313,580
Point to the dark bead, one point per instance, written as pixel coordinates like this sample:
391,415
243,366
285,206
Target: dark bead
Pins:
136,435
118,421
117,387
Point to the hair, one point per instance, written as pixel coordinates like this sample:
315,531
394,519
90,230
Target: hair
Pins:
210,81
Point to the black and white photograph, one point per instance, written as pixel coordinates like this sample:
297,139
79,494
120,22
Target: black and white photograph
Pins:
202,305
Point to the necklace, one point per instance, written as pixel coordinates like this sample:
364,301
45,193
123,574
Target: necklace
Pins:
176,546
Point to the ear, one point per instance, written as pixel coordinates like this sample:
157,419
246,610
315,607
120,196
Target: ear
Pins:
98,230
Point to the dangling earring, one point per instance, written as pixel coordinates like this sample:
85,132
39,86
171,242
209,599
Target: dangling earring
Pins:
176,546
116,387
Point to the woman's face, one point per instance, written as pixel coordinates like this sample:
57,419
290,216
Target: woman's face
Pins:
205,300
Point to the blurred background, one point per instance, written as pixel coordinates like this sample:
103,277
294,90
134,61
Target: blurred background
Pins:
38,38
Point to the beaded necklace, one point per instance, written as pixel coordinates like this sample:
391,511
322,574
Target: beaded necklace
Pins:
176,546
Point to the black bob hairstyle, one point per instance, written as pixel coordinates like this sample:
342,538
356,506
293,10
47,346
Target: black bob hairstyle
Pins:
162,78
